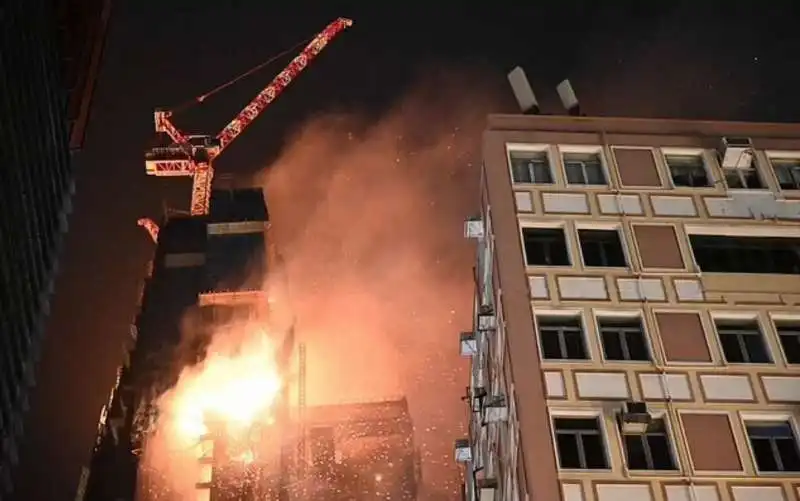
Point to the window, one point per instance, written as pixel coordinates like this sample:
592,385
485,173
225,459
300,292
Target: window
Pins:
623,339
545,247
584,168
788,172
743,178
562,338
687,170
735,254
742,342
601,248
789,336
650,450
531,167
774,446
580,443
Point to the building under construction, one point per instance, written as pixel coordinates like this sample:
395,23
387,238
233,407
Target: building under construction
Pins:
203,268
209,268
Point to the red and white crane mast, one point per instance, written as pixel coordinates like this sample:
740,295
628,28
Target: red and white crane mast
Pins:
193,155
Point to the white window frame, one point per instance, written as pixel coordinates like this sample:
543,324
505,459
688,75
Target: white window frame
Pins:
547,225
746,230
623,241
689,152
582,413
781,155
750,416
774,319
663,415
532,148
597,314
585,150
564,313
741,317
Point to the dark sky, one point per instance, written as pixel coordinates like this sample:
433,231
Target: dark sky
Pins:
663,59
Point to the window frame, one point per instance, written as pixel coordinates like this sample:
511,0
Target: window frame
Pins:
544,226
783,156
768,417
689,152
776,319
742,318
754,167
672,446
623,315
565,314
571,149
545,149
754,232
621,237
602,428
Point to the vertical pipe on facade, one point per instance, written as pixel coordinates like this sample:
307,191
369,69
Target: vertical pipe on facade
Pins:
659,358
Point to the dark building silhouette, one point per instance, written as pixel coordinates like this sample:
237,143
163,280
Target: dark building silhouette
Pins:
49,57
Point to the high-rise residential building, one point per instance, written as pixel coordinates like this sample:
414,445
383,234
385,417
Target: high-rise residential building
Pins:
37,81
637,330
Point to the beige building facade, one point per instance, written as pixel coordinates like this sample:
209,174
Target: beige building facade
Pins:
637,328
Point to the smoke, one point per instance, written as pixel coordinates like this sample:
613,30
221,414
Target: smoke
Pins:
368,215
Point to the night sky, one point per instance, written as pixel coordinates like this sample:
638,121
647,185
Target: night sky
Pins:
658,59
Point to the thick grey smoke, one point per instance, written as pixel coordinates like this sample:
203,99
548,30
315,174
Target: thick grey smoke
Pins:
368,215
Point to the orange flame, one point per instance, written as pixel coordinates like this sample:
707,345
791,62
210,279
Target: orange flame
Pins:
235,387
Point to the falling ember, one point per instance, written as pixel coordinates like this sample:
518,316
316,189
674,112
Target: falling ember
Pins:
236,386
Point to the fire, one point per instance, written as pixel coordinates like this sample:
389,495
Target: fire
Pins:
235,387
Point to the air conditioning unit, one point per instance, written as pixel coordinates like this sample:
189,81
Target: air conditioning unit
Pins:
463,452
635,418
495,409
473,227
469,344
487,320
487,488
735,153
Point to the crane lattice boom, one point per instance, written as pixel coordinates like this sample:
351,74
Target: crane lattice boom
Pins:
190,155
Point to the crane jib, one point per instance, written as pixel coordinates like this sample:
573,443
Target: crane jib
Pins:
193,155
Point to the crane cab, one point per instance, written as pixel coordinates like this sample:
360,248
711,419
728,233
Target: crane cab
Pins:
173,159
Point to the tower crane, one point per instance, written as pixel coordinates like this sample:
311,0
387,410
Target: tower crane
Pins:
193,155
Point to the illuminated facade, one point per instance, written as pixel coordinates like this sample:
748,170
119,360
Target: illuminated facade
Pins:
637,335
36,181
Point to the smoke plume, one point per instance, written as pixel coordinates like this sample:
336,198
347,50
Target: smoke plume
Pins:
368,216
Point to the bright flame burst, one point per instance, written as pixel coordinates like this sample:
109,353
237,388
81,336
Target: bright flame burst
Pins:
235,387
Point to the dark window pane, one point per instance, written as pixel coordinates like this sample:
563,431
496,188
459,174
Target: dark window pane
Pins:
756,350
660,452
612,348
545,247
567,444
574,172
731,348
576,424
594,451
550,345
637,347
791,347
634,451
765,459
790,457
575,347
594,173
